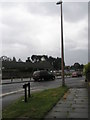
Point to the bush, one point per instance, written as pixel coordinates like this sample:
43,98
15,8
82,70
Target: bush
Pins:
87,70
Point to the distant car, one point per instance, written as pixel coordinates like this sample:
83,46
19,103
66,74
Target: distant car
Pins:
77,74
74,74
43,75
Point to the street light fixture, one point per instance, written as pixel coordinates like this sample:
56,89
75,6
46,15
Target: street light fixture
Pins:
62,47
59,2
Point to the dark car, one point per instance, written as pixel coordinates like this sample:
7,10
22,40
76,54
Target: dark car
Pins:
43,75
79,74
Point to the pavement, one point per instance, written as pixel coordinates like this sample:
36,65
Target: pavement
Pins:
74,104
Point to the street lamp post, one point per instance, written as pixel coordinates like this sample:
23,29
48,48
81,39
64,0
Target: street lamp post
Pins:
62,47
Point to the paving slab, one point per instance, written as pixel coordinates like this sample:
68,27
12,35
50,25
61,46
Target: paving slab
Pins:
77,115
74,106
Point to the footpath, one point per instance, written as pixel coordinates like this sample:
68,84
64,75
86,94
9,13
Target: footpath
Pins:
74,104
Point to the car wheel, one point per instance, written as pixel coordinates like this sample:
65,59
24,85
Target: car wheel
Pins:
53,78
35,80
39,80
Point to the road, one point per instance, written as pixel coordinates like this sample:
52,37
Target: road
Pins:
11,92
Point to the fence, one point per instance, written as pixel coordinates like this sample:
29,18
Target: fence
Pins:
15,74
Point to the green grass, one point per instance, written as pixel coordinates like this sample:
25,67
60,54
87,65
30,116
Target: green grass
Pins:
37,106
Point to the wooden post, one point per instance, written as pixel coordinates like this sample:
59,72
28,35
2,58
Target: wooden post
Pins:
25,87
29,89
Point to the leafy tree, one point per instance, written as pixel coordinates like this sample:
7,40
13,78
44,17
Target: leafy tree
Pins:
14,59
67,67
87,71
5,58
72,67
38,58
57,63
28,59
34,58
19,60
77,66
51,60
45,57
81,66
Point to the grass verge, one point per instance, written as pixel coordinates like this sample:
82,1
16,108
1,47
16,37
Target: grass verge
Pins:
37,106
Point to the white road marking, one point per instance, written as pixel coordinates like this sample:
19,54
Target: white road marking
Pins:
2,95
9,93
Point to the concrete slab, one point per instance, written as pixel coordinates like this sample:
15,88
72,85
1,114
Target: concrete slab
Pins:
74,106
77,115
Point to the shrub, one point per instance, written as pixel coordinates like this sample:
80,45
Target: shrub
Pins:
87,70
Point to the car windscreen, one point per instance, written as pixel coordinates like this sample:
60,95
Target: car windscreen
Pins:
36,72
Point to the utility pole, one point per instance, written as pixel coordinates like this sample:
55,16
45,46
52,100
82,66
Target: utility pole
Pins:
62,46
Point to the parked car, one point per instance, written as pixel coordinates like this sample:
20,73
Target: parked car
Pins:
77,74
43,75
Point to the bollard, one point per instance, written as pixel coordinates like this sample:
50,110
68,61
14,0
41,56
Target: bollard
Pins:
25,87
29,89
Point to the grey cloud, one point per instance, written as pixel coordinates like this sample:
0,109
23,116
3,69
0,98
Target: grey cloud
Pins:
42,8
76,11
34,28
73,11
80,56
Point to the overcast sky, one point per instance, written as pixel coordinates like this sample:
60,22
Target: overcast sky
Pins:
34,28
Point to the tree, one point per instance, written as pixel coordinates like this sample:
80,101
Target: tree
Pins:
81,66
19,60
38,58
72,67
67,68
87,71
55,62
28,59
5,58
51,60
77,66
14,59
45,57
34,58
